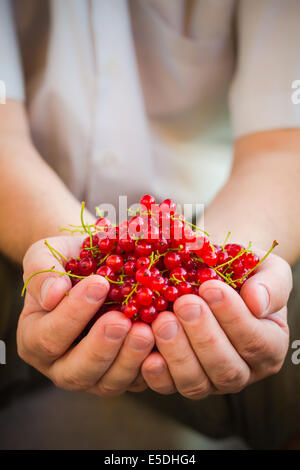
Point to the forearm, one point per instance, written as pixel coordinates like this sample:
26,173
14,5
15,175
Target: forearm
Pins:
260,201
34,201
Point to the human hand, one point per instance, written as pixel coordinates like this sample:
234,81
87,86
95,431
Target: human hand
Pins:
221,342
108,359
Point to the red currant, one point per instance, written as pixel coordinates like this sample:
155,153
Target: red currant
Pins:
144,296
115,262
184,288
206,274
147,201
143,276
172,260
148,314
87,266
170,293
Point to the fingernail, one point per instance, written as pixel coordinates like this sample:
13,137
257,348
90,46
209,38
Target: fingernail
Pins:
168,331
264,298
212,296
49,282
138,343
115,331
95,292
190,312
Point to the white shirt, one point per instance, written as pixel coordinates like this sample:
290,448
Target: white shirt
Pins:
137,97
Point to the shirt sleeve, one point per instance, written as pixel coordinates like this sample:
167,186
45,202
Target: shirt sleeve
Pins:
10,65
268,61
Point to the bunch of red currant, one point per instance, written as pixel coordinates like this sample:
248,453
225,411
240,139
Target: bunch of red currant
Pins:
154,258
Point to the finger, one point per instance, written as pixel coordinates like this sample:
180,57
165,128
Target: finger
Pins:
223,365
49,288
156,374
48,336
138,385
189,378
138,344
82,366
261,342
268,290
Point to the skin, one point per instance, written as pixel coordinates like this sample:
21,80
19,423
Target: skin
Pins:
216,343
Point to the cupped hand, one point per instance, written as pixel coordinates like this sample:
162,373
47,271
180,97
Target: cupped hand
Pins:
108,359
220,342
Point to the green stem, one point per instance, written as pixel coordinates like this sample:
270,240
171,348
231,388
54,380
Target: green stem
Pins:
125,301
55,252
274,244
51,270
226,240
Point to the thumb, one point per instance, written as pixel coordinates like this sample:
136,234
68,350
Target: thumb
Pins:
49,288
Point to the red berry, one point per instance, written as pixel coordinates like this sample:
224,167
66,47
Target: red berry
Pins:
143,248
233,249
126,289
143,276
160,303
132,257
87,242
210,257
188,264
130,310
126,244
106,245
238,266
189,236
87,266
161,245
155,272
177,230
147,201
136,227
115,262
184,288
115,294
143,262
250,260
185,255
170,293
223,257
103,224
105,271
206,274
148,314
200,245
172,260
157,283
179,273
168,205
73,266
85,254
192,275
129,268
144,296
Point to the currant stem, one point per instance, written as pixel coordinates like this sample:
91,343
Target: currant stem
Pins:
226,240
274,244
55,252
51,270
99,213
125,301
